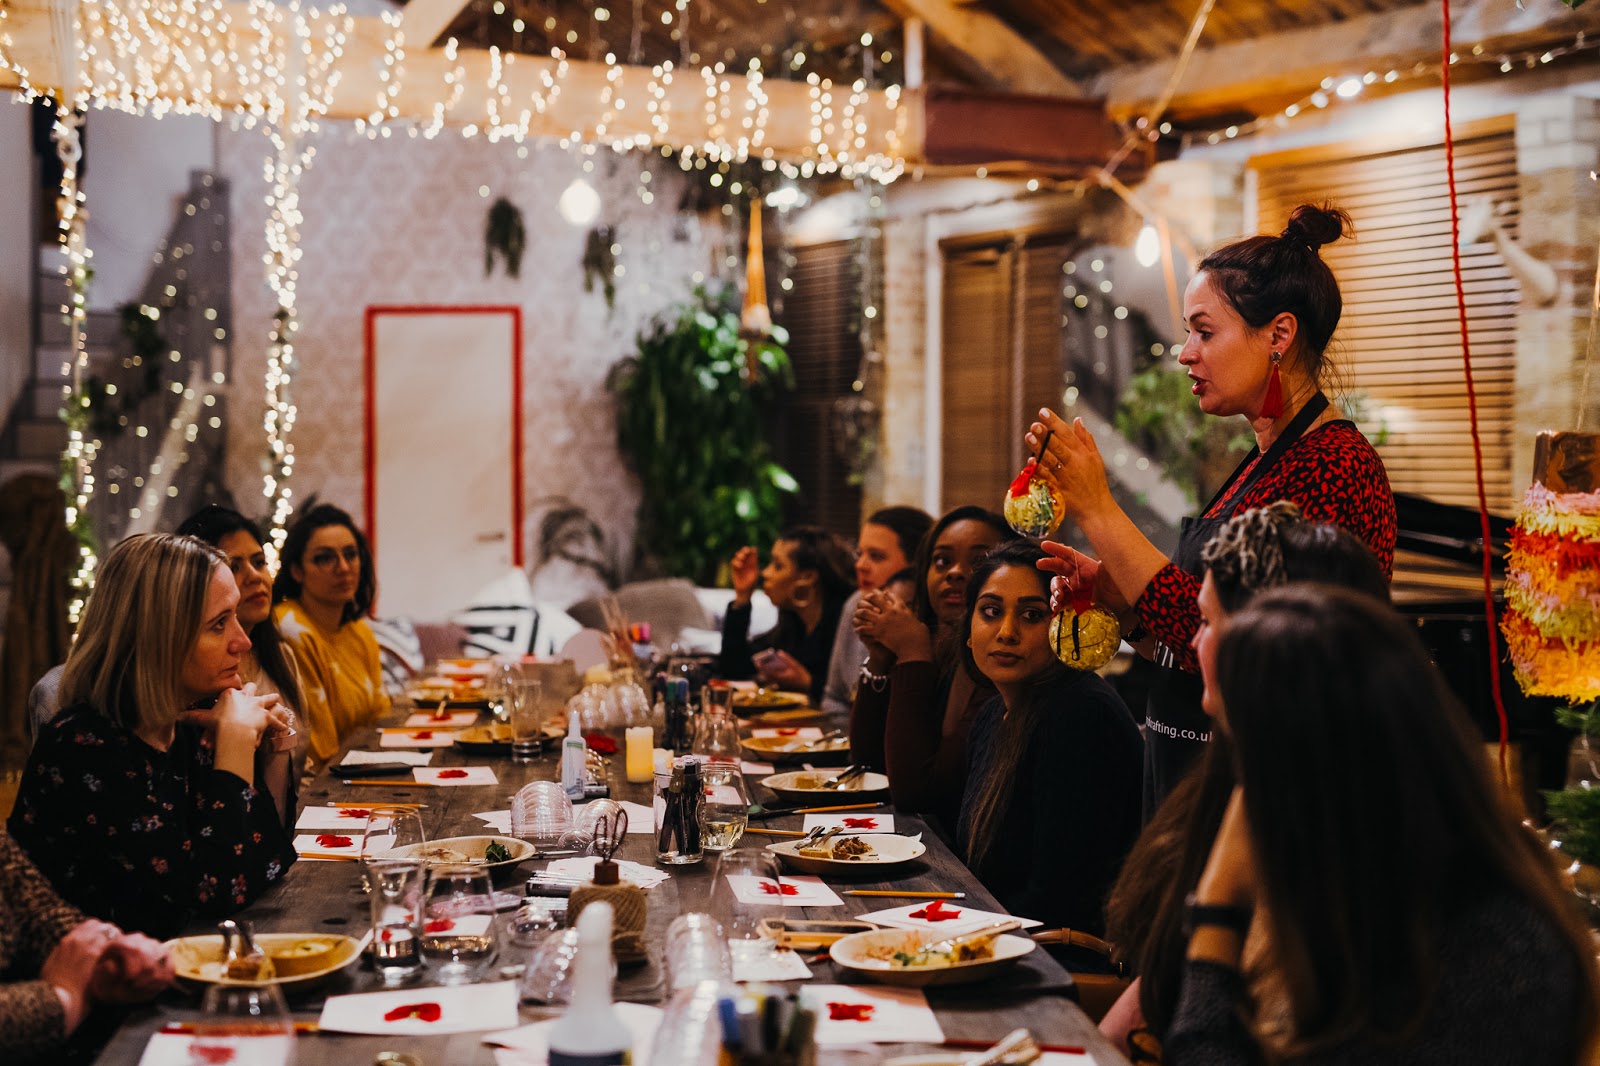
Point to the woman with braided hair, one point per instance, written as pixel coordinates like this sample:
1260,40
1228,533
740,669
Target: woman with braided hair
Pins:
1255,550
1260,314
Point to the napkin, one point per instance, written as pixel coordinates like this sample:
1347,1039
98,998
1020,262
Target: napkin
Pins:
641,819
499,821
423,738
456,775
411,758
916,916
530,1044
766,962
451,720
791,892
452,1010
854,1014
748,767
860,821
172,1049
348,820
583,869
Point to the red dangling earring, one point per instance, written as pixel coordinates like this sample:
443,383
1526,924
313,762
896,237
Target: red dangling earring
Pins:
1272,406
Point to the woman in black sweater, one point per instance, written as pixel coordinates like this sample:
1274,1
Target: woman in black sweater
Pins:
1051,803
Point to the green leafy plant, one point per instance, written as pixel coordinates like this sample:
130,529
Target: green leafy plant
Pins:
600,262
693,422
1158,413
1576,811
505,233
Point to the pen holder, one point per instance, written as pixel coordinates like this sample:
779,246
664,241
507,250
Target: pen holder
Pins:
766,1027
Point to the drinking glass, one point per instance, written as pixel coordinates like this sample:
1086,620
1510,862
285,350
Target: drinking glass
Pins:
499,686
548,978
527,720
716,735
458,924
726,809
245,1023
397,888
696,949
388,829
748,890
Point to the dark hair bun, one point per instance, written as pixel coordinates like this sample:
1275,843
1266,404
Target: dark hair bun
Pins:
1315,226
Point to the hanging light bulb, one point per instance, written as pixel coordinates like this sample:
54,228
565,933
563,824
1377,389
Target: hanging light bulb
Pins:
579,203
1147,249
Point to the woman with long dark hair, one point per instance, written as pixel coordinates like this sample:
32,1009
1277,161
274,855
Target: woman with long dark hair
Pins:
324,591
1260,314
808,578
1390,905
1255,550
914,702
1051,803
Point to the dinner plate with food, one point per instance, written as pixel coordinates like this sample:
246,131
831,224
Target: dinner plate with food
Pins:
816,786
753,701
496,737
496,854
430,692
832,855
820,750
920,959
297,958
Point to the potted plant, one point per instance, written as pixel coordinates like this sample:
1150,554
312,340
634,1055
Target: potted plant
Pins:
693,419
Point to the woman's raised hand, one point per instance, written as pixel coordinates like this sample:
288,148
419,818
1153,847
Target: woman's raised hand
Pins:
1072,463
883,620
1073,570
745,570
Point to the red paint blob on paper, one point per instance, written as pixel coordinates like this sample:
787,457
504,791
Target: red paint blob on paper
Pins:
850,1012
423,1012
452,773
355,812
936,912
788,732
861,823
772,889
333,840
439,925
426,734
211,1053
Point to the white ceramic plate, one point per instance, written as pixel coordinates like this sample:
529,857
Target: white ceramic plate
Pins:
470,850
198,959
834,752
802,786
889,852
853,953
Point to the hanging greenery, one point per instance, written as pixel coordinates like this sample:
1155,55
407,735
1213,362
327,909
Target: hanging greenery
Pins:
110,406
504,233
599,261
1576,811
693,422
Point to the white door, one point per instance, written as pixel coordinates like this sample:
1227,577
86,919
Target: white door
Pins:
443,453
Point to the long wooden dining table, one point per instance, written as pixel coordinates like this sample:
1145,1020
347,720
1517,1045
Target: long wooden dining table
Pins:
326,897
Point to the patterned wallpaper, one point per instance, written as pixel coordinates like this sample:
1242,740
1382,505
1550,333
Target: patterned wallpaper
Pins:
401,221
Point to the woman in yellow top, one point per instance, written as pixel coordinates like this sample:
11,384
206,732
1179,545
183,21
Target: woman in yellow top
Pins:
324,589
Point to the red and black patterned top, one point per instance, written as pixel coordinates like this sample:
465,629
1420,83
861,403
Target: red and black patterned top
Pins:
1333,473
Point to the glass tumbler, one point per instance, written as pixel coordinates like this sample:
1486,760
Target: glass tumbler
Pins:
696,949
244,1023
388,829
748,891
527,721
396,898
458,925
726,809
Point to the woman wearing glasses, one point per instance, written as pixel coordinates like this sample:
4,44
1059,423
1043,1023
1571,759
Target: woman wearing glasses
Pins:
323,591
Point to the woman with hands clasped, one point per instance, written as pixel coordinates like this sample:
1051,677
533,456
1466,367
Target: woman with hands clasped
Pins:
1370,896
808,579
1260,313
914,703
147,798
58,965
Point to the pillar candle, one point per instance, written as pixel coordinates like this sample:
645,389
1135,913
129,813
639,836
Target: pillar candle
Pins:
640,752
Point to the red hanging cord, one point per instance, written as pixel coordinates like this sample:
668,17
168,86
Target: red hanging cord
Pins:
1472,406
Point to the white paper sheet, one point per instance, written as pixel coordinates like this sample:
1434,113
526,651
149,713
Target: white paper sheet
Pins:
422,738
456,775
451,720
173,1049
915,916
462,1010
796,891
892,1015
410,758
863,821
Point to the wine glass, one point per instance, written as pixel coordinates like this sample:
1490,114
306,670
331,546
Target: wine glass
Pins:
499,688
245,1023
388,829
726,809
458,925
748,891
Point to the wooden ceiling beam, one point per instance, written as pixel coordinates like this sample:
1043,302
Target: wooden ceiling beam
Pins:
1231,77
424,20
987,50
428,78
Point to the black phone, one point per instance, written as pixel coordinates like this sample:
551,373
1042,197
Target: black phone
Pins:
370,769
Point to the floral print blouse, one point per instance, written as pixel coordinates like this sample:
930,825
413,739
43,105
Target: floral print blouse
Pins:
140,837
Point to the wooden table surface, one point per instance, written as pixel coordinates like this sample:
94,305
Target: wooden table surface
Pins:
327,897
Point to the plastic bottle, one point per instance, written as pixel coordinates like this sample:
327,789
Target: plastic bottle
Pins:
591,1033
573,760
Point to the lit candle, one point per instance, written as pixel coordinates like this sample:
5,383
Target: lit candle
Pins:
640,753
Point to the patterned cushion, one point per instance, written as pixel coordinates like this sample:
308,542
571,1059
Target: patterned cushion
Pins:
503,619
399,650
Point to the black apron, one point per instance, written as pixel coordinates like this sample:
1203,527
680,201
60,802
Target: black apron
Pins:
1175,726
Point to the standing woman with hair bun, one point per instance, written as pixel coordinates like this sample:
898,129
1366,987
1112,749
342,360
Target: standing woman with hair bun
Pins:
1260,313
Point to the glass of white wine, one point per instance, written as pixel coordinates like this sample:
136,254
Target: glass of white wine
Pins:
458,931
726,809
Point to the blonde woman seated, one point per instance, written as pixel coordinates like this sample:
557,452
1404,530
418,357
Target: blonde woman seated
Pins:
324,591
142,801
58,965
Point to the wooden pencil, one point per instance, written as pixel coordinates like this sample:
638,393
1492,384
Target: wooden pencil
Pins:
896,894
830,810
386,803
774,832
329,855
392,784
